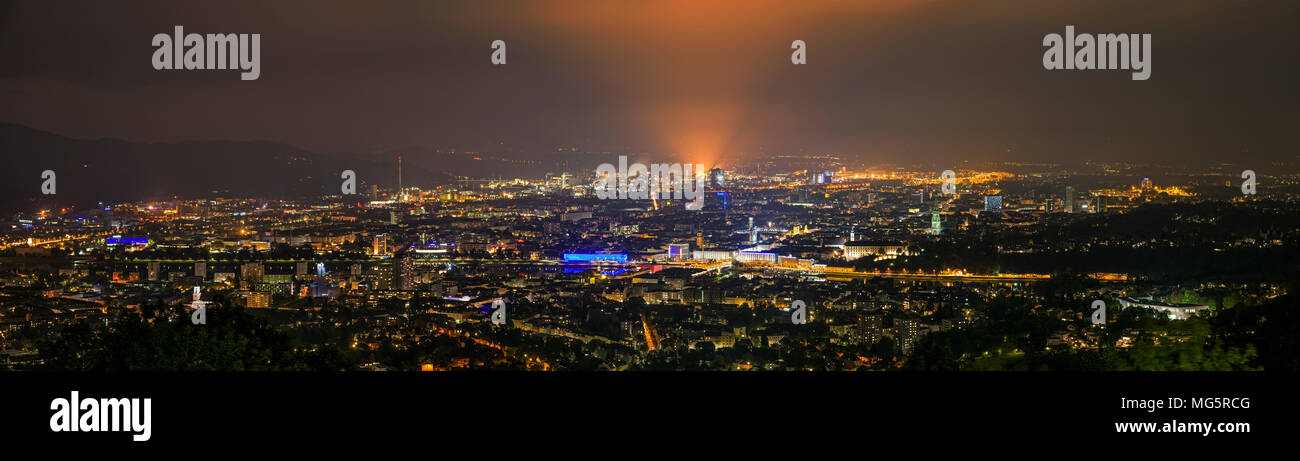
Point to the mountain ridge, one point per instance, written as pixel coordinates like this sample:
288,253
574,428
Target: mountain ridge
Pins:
112,170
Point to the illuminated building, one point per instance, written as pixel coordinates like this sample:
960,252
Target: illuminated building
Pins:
755,256
575,217
855,250
113,241
252,273
1171,310
717,177
258,299
993,203
319,287
679,251
869,328
719,255
403,271
595,257
908,332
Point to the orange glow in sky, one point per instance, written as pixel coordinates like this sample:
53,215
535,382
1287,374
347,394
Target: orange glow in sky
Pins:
696,70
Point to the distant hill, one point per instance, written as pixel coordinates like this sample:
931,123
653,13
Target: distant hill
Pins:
114,171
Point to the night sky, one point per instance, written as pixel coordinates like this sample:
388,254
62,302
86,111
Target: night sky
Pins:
704,81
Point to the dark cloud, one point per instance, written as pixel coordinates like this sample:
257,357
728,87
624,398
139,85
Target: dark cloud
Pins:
708,81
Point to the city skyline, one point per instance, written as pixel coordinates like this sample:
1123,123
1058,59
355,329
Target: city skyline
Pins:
541,225
822,268
573,186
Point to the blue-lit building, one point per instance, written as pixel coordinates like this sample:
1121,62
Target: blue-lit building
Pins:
595,257
993,203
